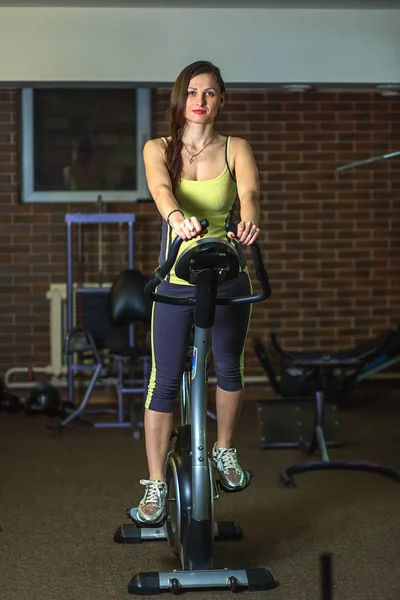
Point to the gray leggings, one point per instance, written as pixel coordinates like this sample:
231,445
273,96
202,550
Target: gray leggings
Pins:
170,330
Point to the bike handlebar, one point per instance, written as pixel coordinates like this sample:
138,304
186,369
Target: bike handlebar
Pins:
162,271
165,268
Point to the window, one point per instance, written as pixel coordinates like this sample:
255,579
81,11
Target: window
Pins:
82,143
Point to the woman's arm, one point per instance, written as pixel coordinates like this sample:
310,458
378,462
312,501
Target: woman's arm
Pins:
158,179
248,191
160,187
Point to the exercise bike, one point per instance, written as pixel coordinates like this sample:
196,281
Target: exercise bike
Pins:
189,526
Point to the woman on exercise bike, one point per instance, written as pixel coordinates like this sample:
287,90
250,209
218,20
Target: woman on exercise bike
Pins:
196,174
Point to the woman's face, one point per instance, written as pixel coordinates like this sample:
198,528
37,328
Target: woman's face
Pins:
204,99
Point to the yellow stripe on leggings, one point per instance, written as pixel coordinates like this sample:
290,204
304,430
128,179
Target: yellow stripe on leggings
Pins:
152,380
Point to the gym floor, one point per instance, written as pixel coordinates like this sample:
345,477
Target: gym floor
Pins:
62,497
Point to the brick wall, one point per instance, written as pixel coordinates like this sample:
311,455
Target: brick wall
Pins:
330,241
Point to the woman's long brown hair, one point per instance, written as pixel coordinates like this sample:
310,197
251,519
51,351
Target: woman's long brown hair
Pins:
176,113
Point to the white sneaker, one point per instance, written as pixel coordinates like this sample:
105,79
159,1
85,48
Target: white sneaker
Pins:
152,507
230,472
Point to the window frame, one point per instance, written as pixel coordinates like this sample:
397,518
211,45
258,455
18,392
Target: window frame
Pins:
30,195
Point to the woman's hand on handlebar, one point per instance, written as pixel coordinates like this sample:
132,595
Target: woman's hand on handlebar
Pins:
247,233
187,229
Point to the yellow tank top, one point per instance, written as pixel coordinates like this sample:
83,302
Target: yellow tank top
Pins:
212,199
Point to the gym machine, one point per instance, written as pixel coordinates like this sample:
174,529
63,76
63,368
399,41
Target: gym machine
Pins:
190,527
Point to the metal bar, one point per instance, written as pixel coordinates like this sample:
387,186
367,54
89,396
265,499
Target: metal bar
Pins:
200,472
131,262
185,398
70,311
110,425
368,161
105,289
84,402
96,218
319,432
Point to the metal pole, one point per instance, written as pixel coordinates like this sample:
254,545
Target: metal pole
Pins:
368,161
70,309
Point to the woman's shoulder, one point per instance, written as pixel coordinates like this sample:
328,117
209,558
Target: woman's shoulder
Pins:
238,141
155,147
238,144
157,142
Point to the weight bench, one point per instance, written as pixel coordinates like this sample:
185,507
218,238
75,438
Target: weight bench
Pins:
381,352
110,314
319,367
